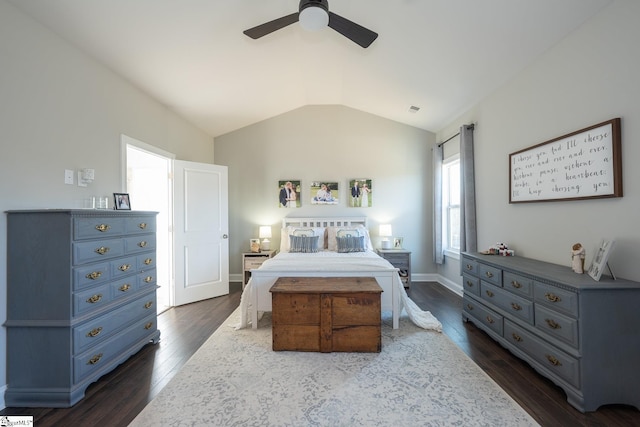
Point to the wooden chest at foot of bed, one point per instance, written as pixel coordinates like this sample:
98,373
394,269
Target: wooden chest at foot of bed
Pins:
326,314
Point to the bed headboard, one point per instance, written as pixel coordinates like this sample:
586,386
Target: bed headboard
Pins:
324,221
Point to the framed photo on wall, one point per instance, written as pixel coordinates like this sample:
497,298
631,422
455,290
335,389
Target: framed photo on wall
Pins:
121,202
360,193
324,193
289,193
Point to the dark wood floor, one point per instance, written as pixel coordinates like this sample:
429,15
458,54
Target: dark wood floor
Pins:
118,397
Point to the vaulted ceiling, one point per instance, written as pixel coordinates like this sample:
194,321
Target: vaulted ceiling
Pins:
442,56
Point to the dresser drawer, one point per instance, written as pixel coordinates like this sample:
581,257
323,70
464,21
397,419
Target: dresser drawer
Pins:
517,284
491,274
557,325
84,277
470,266
123,267
97,330
143,242
552,359
97,250
253,262
513,304
96,228
471,284
398,260
91,299
99,357
146,279
134,225
146,261
484,315
556,298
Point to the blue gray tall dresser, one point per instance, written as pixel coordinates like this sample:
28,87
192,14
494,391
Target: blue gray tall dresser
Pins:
81,299
582,334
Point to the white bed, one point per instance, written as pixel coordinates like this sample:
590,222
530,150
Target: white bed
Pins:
256,297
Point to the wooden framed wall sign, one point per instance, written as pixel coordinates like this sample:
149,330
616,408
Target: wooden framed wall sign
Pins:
585,164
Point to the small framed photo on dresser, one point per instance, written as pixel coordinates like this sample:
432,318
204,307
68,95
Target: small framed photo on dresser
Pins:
121,202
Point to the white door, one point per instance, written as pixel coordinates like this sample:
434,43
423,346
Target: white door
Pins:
201,245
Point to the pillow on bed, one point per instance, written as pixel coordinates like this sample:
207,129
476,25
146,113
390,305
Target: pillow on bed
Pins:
286,232
303,244
334,232
350,244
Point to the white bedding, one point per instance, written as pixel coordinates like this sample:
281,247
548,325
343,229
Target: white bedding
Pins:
329,263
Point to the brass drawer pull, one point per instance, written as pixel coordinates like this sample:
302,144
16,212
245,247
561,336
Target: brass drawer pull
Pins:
553,360
125,287
103,227
95,359
148,325
94,332
489,293
94,299
142,225
552,297
490,319
102,250
516,307
124,267
148,261
516,284
94,275
469,306
516,337
148,279
148,305
489,274
469,267
552,324
469,283
142,244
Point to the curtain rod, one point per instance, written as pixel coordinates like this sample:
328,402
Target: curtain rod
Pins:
448,139
472,125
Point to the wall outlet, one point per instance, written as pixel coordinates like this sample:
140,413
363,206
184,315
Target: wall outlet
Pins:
68,176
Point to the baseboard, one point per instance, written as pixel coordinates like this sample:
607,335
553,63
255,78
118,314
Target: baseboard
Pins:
2,390
447,283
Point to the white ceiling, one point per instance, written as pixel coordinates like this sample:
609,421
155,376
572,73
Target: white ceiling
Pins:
440,55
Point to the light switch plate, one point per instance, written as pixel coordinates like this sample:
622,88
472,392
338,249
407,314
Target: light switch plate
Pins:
68,176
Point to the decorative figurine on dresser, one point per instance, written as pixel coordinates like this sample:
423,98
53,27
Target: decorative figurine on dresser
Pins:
580,333
81,299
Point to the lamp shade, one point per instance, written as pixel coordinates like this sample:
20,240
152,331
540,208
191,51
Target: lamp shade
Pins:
313,17
385,230
265,232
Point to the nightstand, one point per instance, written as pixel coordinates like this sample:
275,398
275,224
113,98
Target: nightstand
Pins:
401,260
251,260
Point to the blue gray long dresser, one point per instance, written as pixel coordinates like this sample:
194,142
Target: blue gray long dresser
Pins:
582,334
81,299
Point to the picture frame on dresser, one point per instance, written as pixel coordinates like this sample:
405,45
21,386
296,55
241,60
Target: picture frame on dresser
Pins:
121,202
600,259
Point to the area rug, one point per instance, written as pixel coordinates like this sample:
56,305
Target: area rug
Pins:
420,378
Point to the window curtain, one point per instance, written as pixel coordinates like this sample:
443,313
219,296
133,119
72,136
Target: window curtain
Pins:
468,230
438,154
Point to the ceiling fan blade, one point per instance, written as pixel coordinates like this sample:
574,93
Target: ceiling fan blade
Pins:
356,33
271,26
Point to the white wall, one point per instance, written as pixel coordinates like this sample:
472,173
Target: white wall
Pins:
588,78
61,110
332,143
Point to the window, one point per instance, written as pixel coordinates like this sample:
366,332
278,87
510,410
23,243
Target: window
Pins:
451,205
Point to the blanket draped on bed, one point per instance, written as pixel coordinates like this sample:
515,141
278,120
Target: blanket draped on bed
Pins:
358,261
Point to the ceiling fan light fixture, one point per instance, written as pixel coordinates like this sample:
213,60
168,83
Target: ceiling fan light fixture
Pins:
314,15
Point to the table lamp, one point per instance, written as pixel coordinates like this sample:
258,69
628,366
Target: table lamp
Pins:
265,235
385,233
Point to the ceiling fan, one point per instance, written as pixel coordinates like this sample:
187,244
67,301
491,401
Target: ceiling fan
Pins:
314,15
